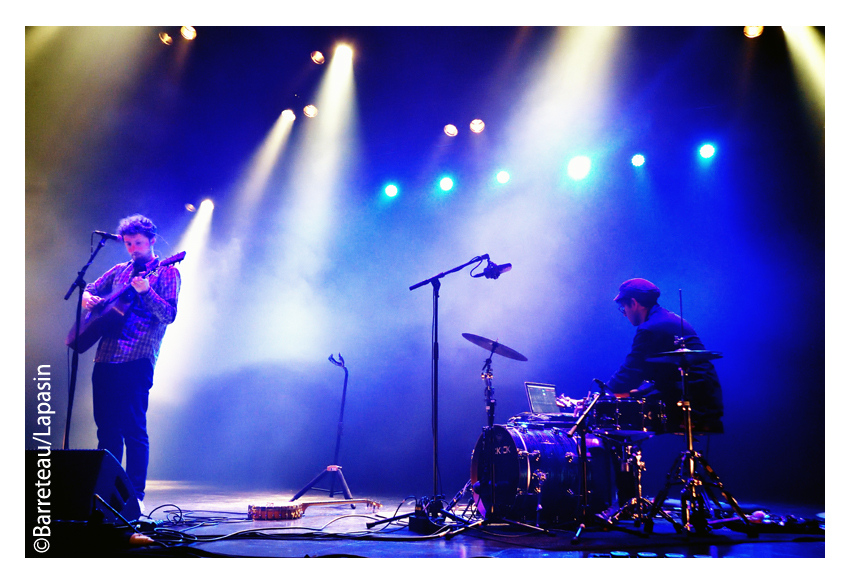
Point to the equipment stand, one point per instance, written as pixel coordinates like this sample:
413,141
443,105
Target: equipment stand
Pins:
333,469
637,508
435,353
489,448
75,359
695,495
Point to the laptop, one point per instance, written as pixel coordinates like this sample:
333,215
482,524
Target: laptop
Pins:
541,398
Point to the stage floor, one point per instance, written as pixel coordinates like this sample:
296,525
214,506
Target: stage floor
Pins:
196,520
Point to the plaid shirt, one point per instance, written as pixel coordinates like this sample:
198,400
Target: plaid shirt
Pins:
147,317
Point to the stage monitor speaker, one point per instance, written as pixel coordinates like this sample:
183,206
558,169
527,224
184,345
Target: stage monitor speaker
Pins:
73,478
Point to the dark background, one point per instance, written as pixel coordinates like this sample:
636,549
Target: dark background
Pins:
118,123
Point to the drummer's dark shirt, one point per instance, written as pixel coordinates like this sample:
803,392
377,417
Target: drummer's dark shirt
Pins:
657,335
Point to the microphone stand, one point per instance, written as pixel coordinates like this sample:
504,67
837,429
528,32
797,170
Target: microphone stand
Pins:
586,519
435,350
75,358
421,519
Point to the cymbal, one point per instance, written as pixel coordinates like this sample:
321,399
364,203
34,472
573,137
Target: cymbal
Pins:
684,357
494,347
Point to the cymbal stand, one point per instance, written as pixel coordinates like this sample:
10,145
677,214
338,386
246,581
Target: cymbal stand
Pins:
695,494
489,448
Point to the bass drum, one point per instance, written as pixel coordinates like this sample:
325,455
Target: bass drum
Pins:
540,467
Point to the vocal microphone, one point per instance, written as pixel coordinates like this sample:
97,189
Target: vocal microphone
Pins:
493,271
105,235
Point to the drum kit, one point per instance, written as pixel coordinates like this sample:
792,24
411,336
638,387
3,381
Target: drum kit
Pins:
560,469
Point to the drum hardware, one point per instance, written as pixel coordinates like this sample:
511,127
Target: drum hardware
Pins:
622,421
539,477
490,516
637,507
694,495
587,519
456,499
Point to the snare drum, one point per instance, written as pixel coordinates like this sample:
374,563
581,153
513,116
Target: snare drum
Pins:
627,417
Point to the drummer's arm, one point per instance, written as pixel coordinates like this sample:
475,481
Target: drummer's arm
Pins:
631,373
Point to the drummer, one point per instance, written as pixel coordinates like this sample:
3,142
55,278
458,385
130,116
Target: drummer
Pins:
657,329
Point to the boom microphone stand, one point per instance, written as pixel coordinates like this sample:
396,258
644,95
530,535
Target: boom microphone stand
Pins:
75,358
422,520
586,519
435,350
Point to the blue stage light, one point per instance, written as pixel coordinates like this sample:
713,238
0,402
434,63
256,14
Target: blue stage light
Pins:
706,151
446,183
503,176
638,160
391,190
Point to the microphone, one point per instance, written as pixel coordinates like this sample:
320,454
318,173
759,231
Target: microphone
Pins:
493,271
105,235
603,386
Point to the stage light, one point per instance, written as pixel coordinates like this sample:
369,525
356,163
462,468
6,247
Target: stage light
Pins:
207,205
638,160
188,33
344,52
318,58
165,38
190,207
391,190
503,176
446,183
706,151
450,130
477,126
288,115
310,111
579,167
752,32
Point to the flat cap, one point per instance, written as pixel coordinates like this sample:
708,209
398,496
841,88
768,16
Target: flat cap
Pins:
638,288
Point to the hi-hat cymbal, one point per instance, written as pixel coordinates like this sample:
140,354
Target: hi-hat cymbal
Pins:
494,347
684,357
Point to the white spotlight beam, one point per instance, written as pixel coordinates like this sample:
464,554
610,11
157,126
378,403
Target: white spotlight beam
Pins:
266,157
566,101
183,345
308,219
808,56
256,177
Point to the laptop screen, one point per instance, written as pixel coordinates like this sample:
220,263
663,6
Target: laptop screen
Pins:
541,398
